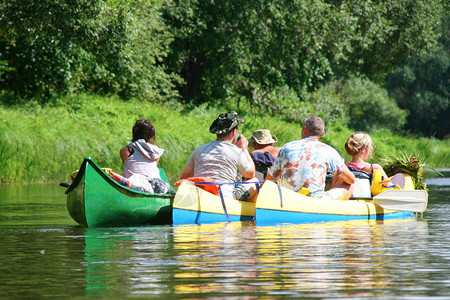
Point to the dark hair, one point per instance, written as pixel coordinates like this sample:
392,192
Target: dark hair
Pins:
144,129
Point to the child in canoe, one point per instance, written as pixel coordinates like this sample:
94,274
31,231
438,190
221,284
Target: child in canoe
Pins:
140,159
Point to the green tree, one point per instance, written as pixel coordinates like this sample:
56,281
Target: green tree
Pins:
386,34
366,105
58,47
230,49
423,88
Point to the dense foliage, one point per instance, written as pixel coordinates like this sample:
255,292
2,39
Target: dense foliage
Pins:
366,106
58,47
232,49
286,58
423,87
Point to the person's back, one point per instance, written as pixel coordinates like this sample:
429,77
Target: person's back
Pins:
305,163
226,159
143,159
219,160
141,156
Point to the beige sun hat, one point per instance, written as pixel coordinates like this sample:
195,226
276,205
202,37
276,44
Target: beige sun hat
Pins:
262,137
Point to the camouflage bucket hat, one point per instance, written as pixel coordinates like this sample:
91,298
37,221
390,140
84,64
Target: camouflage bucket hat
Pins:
262,137
225,123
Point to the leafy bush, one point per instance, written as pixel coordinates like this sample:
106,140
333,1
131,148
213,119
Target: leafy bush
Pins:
59,47
367,105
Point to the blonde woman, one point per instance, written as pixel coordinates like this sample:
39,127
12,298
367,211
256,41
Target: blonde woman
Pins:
360,147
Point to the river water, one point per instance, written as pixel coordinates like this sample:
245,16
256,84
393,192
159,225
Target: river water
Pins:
45,254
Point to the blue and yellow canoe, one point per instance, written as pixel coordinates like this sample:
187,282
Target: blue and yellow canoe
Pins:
277,205
194,205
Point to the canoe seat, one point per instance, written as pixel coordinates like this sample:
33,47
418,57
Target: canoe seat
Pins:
212,188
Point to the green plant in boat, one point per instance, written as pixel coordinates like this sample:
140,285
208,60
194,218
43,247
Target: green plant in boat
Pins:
412,165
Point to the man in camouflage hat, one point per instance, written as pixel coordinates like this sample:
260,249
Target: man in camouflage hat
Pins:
226,159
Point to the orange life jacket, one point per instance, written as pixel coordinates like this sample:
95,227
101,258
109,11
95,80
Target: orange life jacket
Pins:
212,188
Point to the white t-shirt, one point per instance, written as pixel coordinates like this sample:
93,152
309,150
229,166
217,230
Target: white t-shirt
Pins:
222,161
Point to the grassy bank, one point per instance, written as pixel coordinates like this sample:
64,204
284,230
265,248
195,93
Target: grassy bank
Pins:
46,143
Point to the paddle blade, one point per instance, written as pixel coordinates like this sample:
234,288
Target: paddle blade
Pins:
404,200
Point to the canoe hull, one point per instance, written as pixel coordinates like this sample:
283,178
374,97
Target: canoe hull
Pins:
183,216
294,208
271,217
193,205
95,200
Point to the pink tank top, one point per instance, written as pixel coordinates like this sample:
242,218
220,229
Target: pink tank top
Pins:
360,166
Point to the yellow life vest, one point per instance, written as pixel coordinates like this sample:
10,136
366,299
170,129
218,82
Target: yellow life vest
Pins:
379,185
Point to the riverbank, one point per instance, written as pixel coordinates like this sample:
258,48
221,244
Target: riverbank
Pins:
47,143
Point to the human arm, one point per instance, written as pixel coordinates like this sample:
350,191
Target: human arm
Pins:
187,172
270,177
376,166
347,176
243,144
124,153
250,173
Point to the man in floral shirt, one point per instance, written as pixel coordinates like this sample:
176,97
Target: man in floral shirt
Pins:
305,163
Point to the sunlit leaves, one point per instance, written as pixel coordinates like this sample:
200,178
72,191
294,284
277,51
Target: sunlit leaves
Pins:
227,49
59,47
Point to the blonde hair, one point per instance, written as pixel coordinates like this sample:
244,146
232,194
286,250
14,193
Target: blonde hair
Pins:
358,141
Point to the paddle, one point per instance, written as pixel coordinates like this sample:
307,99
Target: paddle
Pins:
64,184
404,200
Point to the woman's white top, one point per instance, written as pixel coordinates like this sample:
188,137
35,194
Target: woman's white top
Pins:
143,161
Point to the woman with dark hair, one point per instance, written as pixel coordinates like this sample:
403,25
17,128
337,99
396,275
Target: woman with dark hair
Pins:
141,156
144,129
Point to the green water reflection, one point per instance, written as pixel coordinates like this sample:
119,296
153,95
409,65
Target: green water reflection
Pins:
44,254
39,205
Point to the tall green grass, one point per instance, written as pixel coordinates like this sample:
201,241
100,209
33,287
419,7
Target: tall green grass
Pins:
47,143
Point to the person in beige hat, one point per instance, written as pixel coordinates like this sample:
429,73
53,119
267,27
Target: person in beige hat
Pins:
264,152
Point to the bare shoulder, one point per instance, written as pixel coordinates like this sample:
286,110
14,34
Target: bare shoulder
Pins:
275,151
377,166
124,153
124,150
